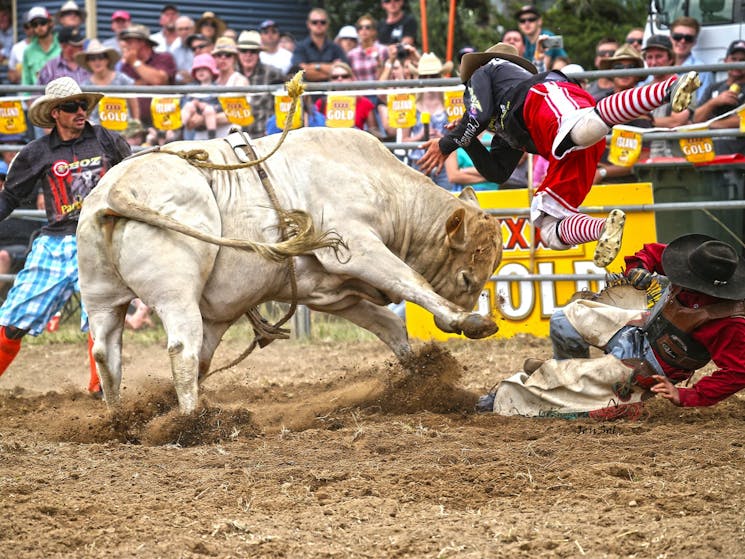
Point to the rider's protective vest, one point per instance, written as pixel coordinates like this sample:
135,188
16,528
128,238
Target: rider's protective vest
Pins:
669,332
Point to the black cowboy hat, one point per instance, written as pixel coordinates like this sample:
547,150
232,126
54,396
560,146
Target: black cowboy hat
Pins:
705,264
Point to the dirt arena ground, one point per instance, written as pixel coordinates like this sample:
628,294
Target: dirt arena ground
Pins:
334,450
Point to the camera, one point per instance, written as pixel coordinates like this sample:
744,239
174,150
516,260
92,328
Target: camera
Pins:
402,53
555,42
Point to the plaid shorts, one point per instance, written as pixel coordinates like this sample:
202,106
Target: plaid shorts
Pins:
46,282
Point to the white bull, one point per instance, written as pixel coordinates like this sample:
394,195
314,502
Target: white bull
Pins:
406,239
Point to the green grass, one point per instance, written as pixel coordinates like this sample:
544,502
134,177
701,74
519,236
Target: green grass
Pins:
324,328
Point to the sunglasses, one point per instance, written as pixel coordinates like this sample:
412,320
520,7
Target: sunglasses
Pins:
248,51
623,66
200,46
632,41
606,53
340,76
96,57
365,26
683,37
318,22
222,55
527,19
73,106
39,23
389,1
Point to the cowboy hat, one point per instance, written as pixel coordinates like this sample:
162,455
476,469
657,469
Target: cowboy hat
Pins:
430,65
209,18
472,61
706,265
70,6
623,53
95,47
250,40
137,31
57,92
225,45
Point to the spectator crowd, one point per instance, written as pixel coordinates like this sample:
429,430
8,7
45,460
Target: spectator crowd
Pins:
208,52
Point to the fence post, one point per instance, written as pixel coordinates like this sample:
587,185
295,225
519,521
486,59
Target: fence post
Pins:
301,323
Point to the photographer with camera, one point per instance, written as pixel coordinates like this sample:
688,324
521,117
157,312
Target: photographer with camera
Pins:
542,46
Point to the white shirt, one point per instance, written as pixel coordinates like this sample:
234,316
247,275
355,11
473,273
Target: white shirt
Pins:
281,59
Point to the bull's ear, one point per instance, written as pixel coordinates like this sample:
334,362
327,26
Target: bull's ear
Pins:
468,195
456,229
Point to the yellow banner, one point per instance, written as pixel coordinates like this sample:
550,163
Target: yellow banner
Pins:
340,111
12,119
401,110
741,114
282,104
625,147
524,307
697,150
113,113
166,113
238,110
454,105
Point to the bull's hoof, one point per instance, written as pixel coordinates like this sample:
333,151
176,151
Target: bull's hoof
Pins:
477,326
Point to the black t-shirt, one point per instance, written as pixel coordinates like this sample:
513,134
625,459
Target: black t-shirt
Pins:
392,33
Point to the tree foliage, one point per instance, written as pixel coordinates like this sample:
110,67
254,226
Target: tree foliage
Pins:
479,24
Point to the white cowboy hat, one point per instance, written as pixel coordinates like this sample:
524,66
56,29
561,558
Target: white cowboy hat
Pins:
57,92
95,47
430,65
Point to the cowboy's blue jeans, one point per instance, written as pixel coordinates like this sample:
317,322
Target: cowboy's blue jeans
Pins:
628,342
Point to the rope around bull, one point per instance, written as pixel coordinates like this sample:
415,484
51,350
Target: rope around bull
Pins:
200,157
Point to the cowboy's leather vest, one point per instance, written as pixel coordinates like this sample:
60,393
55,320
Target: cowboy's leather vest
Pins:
670,331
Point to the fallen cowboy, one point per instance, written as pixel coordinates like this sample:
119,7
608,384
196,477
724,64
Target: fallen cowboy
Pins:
201,242
700,317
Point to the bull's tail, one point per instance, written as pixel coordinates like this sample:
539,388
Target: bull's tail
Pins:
302,237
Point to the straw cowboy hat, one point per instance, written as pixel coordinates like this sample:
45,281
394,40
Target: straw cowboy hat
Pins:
475,60
430,65
57,92
624,53
95,47
706,265
250,40
226,45
209,18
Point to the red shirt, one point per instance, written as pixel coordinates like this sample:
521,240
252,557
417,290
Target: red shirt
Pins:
362,109
723,338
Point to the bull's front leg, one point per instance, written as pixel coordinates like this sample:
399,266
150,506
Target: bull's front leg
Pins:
386,272
382,322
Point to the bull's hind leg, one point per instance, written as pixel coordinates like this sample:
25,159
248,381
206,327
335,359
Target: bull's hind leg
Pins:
213,332
183,324
107,326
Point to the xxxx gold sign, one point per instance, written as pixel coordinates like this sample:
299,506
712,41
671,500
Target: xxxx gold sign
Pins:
166,113
454,105
697,150
238,110
282,104
401,110
12,120
625,147
113,113
340,111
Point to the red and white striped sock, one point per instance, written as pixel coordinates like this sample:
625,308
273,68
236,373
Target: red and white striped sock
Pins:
627,105
580,228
